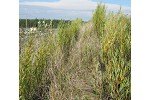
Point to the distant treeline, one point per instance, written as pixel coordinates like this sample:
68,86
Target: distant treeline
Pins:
34,22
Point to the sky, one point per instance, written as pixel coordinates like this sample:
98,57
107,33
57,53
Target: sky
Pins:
68,9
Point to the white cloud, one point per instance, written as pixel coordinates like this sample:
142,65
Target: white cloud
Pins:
65,9
65,4
76,5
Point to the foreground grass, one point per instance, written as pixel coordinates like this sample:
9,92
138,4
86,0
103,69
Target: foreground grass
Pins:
89,61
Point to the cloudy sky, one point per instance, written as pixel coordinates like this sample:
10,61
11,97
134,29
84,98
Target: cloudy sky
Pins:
68,9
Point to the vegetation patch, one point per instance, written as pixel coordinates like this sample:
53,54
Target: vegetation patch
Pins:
79,61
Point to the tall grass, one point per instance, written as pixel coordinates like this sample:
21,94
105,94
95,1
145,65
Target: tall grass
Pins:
82,61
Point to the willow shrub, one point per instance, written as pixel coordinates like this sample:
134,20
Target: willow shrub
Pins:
67,35
116,55
114,32
34,78
99,18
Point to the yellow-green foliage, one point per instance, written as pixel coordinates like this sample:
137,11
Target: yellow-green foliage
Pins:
115,54
67,35
99,18
82,61
34,79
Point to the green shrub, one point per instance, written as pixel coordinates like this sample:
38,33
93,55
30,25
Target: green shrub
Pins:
116,55
67,36
34,61
99,18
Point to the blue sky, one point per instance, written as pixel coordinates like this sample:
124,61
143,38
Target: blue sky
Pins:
67,9
120,2
38,0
